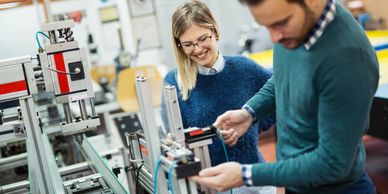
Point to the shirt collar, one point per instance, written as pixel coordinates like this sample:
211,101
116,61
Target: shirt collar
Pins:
317,31
217,67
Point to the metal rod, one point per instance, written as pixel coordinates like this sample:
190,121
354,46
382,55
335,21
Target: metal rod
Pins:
78,167
14,187
1,117
92,107
81,179
68,116
82,108
13,161
130,138
53,37
11,117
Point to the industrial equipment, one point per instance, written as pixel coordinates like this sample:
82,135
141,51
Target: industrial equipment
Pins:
59,73
37,99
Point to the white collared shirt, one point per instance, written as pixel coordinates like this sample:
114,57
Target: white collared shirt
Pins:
217,67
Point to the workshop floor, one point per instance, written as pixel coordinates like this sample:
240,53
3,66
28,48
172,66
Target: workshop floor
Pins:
376,161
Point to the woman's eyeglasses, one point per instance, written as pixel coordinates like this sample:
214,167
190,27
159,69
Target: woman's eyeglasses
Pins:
188,47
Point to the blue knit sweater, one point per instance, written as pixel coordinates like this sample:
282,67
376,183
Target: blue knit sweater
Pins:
229,89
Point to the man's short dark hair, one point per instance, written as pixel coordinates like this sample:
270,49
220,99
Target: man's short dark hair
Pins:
255,2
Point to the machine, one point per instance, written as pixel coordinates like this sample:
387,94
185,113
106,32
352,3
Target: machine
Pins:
183,153
37,99
58,74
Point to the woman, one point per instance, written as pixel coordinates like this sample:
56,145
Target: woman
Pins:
208,83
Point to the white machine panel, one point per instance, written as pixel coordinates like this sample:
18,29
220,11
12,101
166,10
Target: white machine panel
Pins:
12,83
67,62
57,25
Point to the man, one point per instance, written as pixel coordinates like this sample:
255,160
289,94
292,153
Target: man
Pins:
325,76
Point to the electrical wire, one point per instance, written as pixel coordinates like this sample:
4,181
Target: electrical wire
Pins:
137,178
37,38
155,175
173,165
223,144
169,177
226,153
77,71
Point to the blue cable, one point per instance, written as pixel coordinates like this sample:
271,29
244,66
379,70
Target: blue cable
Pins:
226,153
37,39
155,174
223,144
173,165
169,177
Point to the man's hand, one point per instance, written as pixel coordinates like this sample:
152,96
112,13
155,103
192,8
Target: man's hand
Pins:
233,124
230,137
222,177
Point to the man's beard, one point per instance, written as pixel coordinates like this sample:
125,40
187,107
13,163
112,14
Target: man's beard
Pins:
309,21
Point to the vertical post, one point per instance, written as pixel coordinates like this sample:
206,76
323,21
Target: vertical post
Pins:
174,114
150,129
129,171
92,107
201,151
36,147
47,11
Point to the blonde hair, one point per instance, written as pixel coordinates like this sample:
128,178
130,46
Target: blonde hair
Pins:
186,15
